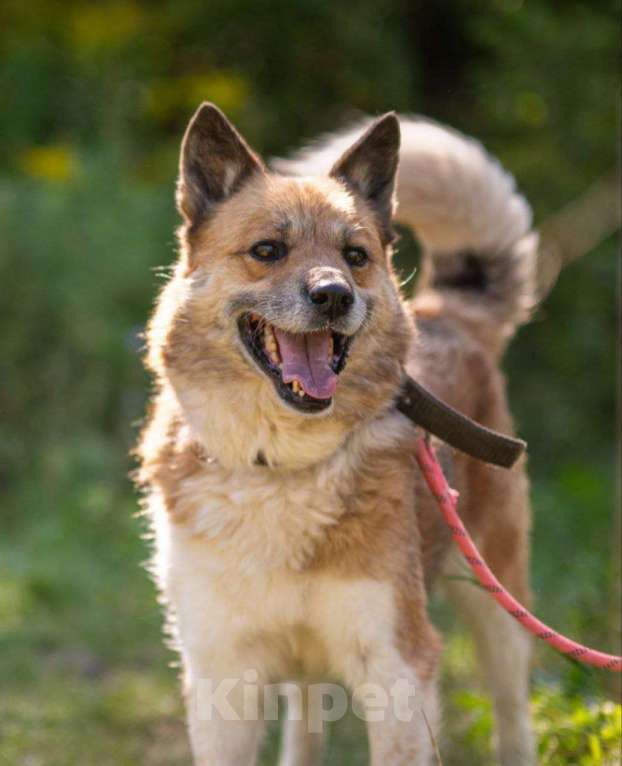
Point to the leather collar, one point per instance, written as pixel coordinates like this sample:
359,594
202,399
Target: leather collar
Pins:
459,431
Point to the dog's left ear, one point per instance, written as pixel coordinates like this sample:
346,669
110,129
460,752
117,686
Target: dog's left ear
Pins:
369,166
215,161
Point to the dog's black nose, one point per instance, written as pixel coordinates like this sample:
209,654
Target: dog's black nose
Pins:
332,298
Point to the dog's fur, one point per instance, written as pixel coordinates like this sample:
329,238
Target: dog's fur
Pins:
302,546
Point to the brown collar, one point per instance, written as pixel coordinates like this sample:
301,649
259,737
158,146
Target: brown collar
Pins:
451,426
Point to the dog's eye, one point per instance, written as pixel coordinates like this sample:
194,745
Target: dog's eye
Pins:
268,250
355,256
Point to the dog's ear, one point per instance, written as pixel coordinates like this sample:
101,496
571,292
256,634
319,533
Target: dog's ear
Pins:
369,166
215,161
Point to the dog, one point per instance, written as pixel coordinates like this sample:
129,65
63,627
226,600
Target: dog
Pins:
295,539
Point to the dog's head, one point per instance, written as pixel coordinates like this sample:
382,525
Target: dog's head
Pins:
283,308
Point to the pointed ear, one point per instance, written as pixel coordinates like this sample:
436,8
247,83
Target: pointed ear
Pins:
215,161
368,169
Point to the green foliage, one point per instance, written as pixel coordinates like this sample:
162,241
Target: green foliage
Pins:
570,729
93,99
573,731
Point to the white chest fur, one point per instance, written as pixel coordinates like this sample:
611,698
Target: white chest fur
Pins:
259,519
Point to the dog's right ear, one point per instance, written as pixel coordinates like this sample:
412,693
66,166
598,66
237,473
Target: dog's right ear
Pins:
215,161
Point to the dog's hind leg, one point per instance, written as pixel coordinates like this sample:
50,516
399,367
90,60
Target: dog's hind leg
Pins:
302,743
503,646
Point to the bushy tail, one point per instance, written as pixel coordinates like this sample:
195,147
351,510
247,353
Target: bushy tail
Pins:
479,252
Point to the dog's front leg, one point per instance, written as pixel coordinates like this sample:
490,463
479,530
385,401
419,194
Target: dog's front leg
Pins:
386,650
400,708
224,709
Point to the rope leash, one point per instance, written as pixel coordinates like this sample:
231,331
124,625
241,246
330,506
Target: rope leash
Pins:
447,500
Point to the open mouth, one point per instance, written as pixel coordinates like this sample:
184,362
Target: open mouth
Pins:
303,366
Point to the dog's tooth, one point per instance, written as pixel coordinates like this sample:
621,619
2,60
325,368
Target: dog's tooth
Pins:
269,342
295,386
301,392
270,339
330,349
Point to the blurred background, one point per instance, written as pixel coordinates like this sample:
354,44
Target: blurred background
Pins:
94,97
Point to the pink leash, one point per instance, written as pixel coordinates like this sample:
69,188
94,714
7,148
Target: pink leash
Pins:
447,500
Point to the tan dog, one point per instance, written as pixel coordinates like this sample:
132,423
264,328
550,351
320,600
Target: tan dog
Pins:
294,538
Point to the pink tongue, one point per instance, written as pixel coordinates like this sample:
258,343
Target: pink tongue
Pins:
305,359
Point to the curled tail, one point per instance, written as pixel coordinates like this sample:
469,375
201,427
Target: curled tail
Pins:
479,251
